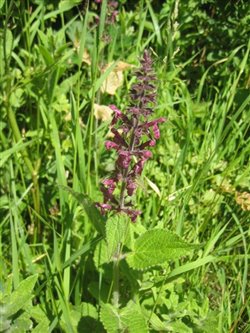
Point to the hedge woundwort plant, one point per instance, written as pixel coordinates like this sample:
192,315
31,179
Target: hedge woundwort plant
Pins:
133,132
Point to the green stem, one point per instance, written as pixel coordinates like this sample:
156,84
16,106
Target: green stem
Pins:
116,291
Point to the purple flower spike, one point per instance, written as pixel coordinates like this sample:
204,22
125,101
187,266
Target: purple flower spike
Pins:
133,132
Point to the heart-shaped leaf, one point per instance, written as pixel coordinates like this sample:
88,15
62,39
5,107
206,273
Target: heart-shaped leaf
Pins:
155,247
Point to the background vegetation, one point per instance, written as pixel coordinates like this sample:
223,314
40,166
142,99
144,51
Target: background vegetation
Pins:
58,61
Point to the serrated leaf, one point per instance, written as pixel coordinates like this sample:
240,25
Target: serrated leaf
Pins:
156,323
93,213
110,318
133,320
129,319
116,231
178,327
21,295
155,247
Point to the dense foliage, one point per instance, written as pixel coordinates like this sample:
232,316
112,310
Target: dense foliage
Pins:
183,265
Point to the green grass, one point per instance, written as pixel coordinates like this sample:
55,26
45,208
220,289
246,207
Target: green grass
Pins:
50,139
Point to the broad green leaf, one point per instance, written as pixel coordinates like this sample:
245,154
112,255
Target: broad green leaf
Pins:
133,320
155,247
21,295
93,213
156,323
129,319
110,318
116,232
178,327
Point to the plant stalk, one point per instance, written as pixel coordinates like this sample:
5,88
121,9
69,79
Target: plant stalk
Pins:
116,274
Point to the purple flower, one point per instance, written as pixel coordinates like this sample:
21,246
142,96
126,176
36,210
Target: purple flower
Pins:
132,213
104,207
111,144
116,110
118,139
146,154
133,132
131,187
137,168
124,159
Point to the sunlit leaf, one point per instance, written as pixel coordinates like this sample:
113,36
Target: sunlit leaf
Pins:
116,231
155,247
154,187
115,78
102,112
128,319
21,295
